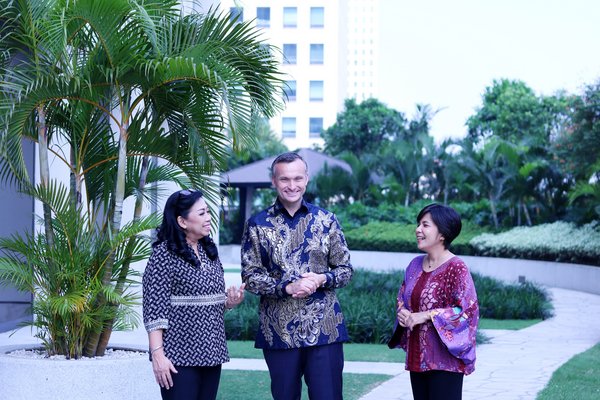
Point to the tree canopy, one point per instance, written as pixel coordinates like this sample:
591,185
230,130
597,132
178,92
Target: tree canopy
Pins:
363,128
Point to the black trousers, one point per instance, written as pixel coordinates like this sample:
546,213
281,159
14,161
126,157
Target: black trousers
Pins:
193,383
321,367
436,385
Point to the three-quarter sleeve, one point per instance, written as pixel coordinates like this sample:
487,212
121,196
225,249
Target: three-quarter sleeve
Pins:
457,325
156,284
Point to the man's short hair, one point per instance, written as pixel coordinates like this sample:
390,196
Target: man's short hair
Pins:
287,158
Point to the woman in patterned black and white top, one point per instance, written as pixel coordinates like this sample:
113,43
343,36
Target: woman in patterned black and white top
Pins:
184,301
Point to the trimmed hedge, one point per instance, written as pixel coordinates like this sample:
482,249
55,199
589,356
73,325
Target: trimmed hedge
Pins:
559,241
394,237
369,304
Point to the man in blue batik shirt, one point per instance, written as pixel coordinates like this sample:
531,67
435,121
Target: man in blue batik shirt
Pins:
294,255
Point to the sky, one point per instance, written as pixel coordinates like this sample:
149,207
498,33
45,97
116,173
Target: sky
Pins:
444,53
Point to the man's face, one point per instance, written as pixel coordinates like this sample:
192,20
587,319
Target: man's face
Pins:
290,180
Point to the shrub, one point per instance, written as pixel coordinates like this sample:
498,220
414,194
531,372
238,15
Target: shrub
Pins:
369,304
515,301
559,241
394,237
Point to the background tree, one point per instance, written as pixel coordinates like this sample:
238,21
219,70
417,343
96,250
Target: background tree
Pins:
409,156
511,111
363,128
264,143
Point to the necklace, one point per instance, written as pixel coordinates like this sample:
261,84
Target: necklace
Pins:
429,267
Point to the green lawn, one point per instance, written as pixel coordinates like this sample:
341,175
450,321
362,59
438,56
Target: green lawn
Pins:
352,352
375,352
511,324
255,385
577,379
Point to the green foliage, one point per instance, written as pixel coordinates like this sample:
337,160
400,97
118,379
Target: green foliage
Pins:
66,276
263,143
369,304
511,111
241,323
363,128
505,301
558,241
578,146
576,379
104,87
396,237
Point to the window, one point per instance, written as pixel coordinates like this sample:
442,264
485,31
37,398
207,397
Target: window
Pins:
263,17
316,91
289,90
315,127
316,54
288,127
289,54
236,14
290,17
317,17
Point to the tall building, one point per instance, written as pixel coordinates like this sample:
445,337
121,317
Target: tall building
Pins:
328,51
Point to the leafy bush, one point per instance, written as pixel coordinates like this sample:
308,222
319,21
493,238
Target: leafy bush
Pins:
395,237
358,214
369,304
559,241
517,301
241,323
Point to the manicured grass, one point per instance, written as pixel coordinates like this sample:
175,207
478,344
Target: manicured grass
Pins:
352,351
510,324
256,385
577,379
376,352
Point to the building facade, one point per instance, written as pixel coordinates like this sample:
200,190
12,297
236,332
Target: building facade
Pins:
328,53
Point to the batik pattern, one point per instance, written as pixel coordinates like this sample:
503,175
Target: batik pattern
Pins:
447,341
276,250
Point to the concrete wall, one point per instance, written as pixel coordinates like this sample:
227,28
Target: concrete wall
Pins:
583,278
16,216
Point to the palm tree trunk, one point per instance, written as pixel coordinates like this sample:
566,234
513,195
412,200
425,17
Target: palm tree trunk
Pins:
526,212
123,274
45,171
494,212
115,217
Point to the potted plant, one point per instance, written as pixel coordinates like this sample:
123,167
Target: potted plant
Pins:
107,88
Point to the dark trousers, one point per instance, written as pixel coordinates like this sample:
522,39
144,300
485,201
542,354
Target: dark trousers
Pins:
321,367
193,383
436,385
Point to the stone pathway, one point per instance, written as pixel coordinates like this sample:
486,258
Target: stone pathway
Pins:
515,366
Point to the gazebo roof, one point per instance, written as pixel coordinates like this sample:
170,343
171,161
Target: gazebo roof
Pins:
258,175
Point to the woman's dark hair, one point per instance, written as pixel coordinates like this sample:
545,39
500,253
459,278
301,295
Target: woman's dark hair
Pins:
178,204
446,219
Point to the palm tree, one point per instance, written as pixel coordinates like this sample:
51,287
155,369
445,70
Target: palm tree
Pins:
105,87
492,167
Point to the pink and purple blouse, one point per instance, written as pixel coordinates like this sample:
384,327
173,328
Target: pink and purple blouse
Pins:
447,341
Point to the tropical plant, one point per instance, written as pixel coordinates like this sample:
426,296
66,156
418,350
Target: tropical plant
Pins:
492,166
363,128
106,87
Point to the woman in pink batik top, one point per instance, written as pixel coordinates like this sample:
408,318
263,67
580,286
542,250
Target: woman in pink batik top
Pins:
437,312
